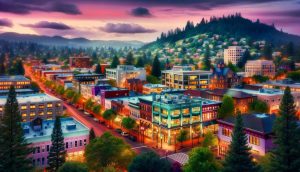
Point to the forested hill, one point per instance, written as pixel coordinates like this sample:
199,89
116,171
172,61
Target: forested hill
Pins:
232,26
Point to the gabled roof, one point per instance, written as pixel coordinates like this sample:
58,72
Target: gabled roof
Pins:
262,123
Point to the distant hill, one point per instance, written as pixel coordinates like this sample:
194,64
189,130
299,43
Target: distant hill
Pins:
232,26
61,41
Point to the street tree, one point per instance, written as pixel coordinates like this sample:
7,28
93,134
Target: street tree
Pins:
149,162
183,136
227,107
108,150
109,114
92,134
73,166
128,123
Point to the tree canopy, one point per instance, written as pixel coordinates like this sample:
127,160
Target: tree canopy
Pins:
227,107
73,166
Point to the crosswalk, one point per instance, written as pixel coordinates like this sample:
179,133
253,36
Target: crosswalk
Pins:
182,158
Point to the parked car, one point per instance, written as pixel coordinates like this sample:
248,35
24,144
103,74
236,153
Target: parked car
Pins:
125,134
132,138
118,130
95,119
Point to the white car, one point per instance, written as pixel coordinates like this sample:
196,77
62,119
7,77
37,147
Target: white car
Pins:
125,134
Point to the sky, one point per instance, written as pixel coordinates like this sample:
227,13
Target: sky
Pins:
142,20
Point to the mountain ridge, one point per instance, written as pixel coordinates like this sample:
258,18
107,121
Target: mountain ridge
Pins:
72,42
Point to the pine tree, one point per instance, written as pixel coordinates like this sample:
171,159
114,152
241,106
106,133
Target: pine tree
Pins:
14,150
92,135
57,153
115,62
2,67
206,63
286,153
129,59
267,52
98,69
238,157
140,62
168,65
156,71
246,56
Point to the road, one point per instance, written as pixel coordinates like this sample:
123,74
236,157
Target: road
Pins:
86,119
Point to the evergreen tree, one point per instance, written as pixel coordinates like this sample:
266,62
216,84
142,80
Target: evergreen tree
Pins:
167,65
115,62
2,67
140,62
14,150
206,63
227,107
238,157
246,56
156,71
290,50
286,153
129,59
98,69
57,153
267,52
92,135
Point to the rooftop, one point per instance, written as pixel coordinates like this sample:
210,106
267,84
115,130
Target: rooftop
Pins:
262,123
13,78
229,92
180,99
32,98
18,91
262,91
70,128
154,86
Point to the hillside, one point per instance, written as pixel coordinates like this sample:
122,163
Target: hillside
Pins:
233,26
61,41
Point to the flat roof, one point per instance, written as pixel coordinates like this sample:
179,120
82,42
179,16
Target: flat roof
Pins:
44,134
266,92
187,72
32,98
154,86
13,78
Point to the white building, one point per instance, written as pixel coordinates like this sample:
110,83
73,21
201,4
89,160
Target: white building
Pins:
32,106
186,78
260,67
124,72
233,54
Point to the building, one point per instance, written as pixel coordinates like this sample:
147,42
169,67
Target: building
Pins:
18,81
260,67
32,106
174,112
124,72
272,97
80,62
233,54
153,88
38,134
186,78
18,91
135,85
241,100
223,77
112,92
258,128
280,84
91,90
48,73
85,79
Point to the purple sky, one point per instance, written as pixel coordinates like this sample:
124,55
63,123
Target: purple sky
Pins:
135,19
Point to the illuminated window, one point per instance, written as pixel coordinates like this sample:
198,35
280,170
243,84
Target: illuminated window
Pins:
41,106
49,105
24,114
1,109
164,111
32,106
254,140
49,113
156,109
41,113
32,114
196,109
24,107
175,112
186,111
226,132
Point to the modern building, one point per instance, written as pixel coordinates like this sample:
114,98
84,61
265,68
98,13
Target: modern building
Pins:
241,100
32,106
92,90
48,73
84,79
18,81
80,62
186,78
112,92
258,129
280,84
174,112
272,97
153,88
233,54
124,72
38,134
223,77
260,67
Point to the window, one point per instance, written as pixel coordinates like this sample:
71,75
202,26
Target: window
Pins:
196,109
186,111
75,143
84,141
32,106
24,107
226,132
49,113
254,140
49,105
24,114
80,142
67,145
32,114
43,161
48,148
41,106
